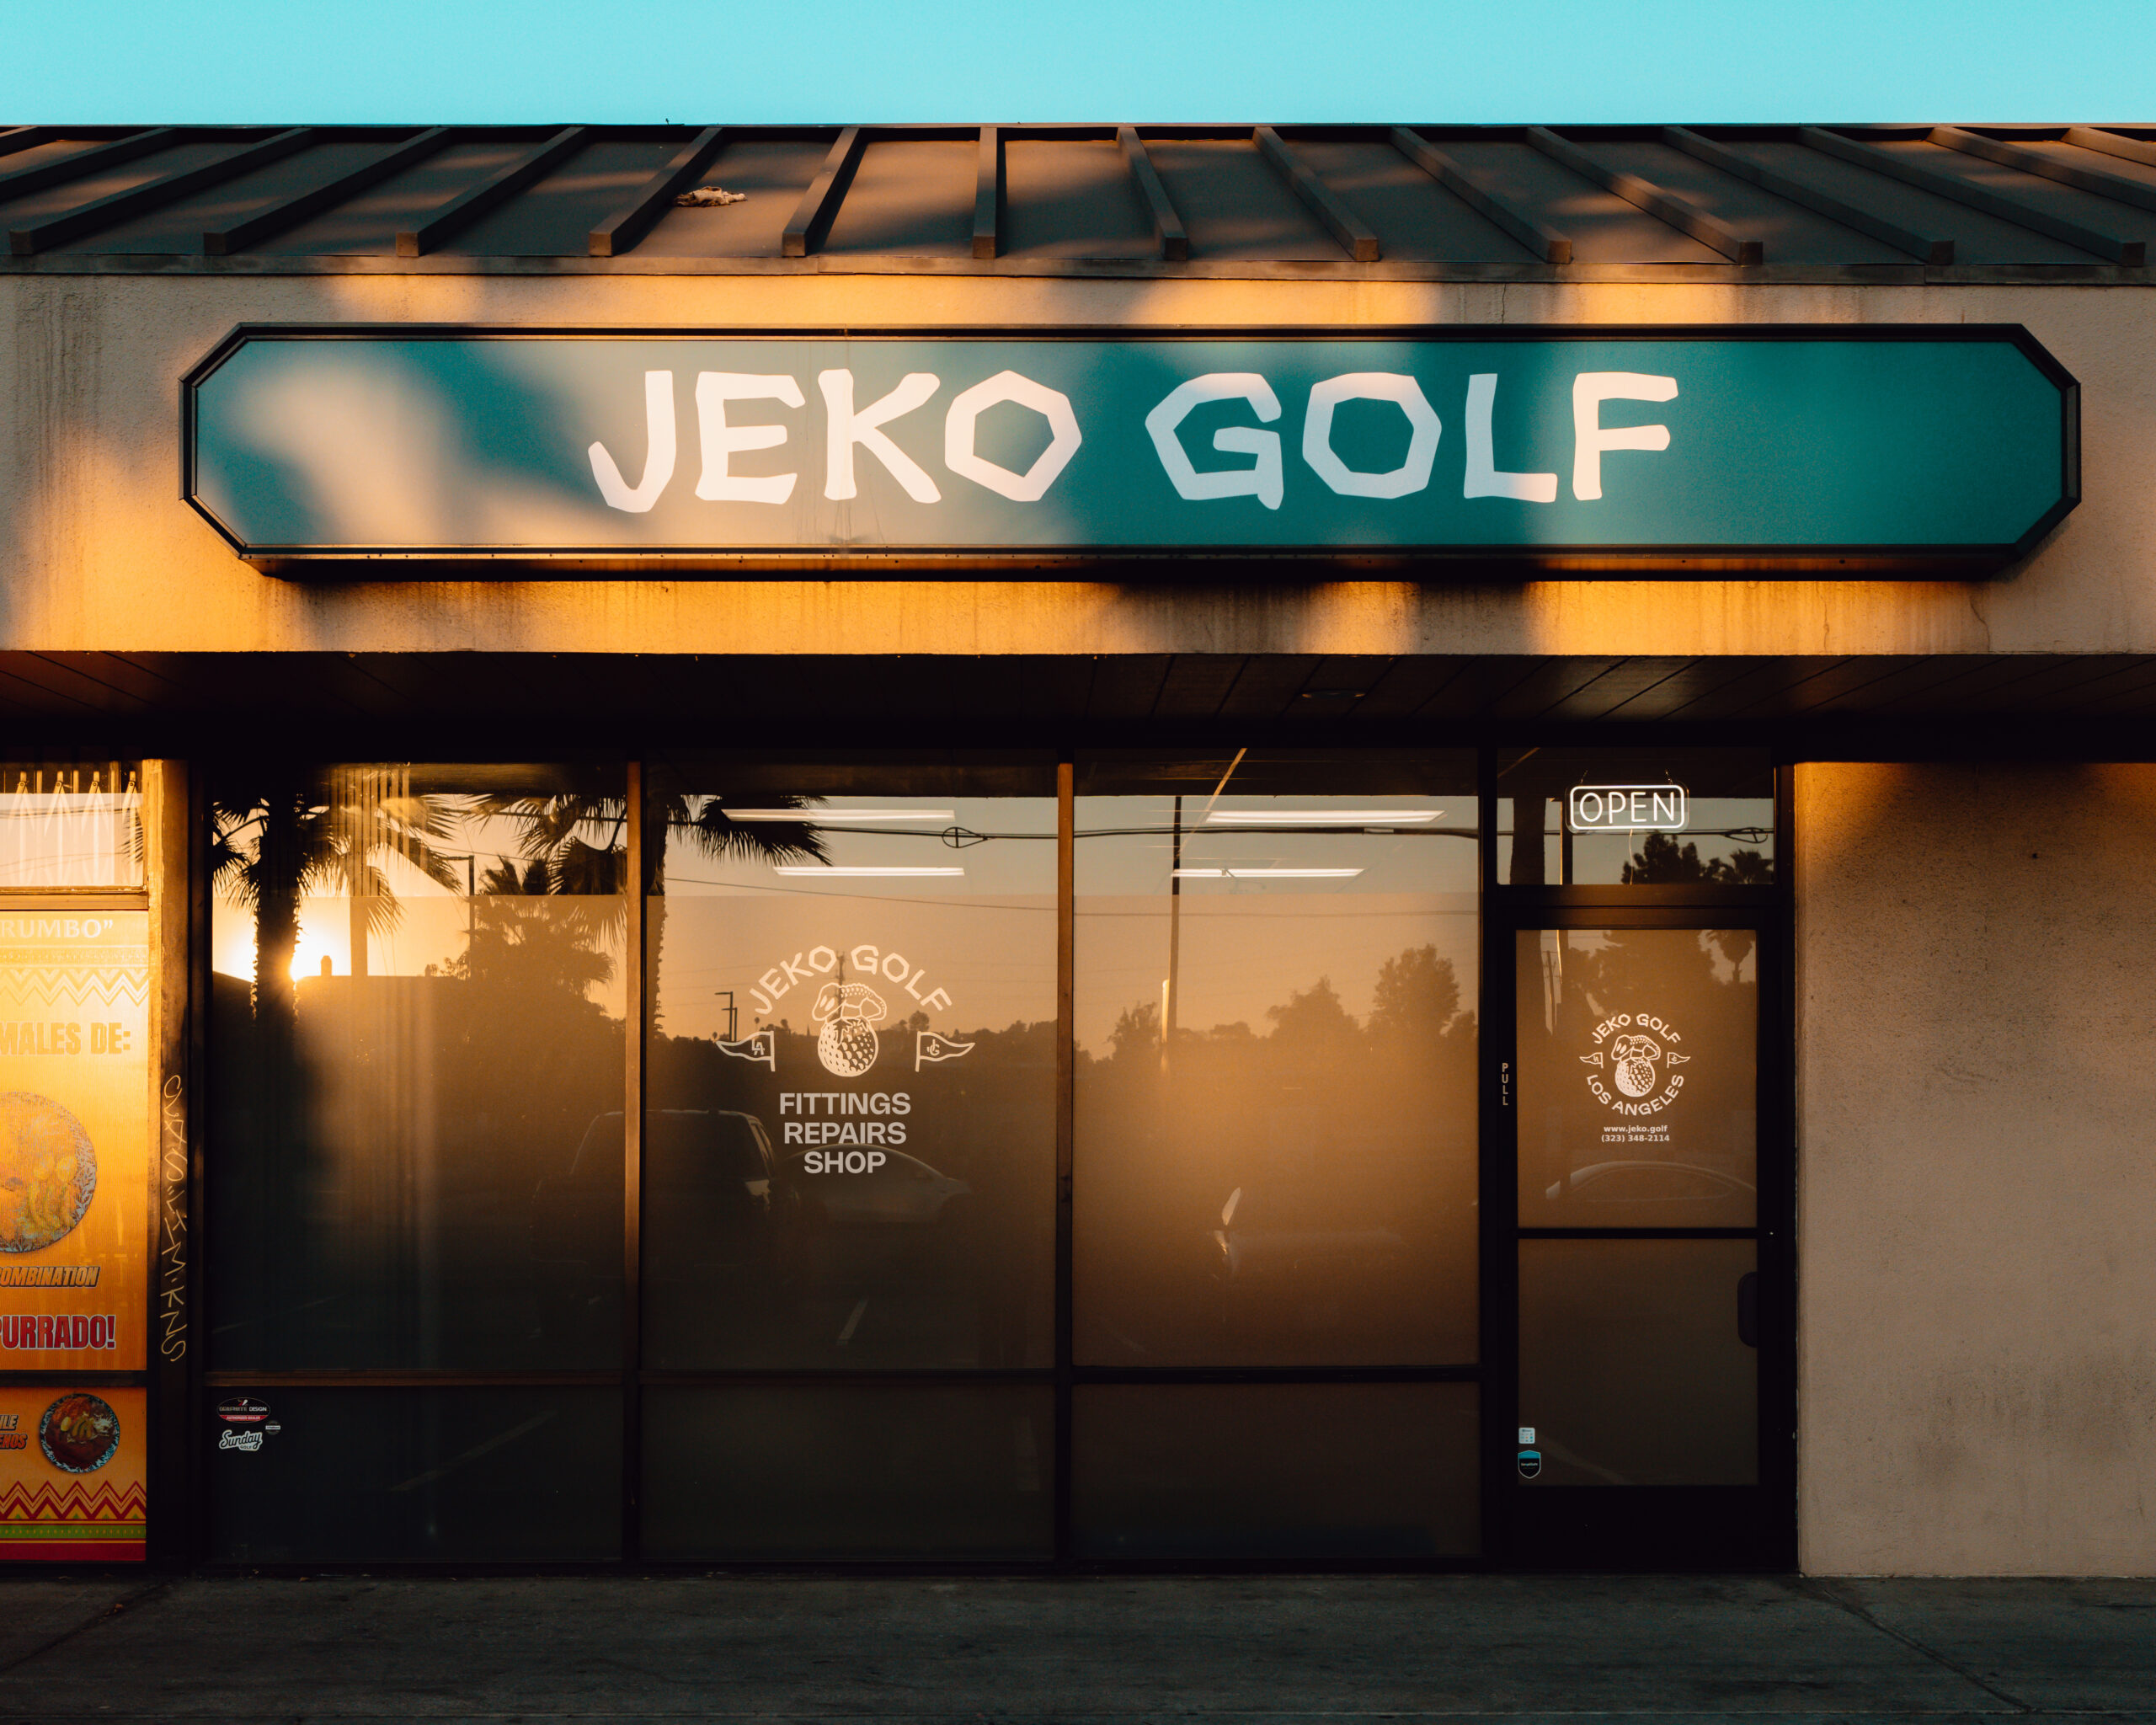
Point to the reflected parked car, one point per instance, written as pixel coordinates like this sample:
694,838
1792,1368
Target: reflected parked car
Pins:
1649,1182
1276,1261
715,1206
888,1189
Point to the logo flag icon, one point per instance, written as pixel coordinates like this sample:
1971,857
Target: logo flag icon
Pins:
928,1047
762,1047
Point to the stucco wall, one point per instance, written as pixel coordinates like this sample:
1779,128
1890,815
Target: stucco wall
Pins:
97,552
1976,1097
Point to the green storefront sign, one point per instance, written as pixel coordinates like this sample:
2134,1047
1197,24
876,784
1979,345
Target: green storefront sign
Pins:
1811,449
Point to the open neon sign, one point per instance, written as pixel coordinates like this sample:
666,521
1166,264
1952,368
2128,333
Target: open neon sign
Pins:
1664,807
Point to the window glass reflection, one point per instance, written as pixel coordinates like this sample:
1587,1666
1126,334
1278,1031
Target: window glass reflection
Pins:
1637,1363
1310,1471
1276,1111
850,1135
1635,817
424,1476
418,1006
1638,1077
70,825
808,1471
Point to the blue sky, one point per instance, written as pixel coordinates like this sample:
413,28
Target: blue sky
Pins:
778,61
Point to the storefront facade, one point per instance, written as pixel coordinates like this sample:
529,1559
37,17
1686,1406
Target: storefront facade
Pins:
1080,846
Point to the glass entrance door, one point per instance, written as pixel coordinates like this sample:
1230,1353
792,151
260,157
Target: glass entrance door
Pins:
1638,1225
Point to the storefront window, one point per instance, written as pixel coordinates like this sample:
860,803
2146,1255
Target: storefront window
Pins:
849,1157
850,1137
418,1006
1276,987
1635,817
78,825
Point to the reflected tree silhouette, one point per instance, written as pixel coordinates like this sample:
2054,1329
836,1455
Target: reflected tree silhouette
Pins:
306,834
1663,862
1330,1126
558,832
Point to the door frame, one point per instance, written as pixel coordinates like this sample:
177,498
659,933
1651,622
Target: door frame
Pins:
1648,1528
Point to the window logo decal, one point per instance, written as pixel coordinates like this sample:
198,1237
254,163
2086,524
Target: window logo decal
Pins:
1637,1054
848,1012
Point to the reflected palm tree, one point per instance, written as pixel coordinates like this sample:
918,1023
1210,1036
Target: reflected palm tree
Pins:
304,834
581,840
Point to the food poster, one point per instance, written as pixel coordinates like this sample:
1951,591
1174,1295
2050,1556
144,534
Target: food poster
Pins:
75,1139
73,1465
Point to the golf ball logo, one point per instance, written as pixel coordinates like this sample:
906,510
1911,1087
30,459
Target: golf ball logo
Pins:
848,1012
1632,1059
1637,1052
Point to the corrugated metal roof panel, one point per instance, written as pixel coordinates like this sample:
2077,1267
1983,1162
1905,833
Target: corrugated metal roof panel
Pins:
1415,217
1072,198
909,198
771,174
176,229
1603,228
1791,232
371,222
1233,205
2024,203
34,206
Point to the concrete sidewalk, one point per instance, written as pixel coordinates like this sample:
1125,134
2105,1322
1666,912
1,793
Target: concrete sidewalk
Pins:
920,1649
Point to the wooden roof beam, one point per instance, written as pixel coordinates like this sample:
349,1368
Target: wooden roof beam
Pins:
497,188
1167,226
289,212
85,162
620,232
1342,223
36,237
1720,156
2025,160
1546,243
1686,218
988,194
812,217
1973,196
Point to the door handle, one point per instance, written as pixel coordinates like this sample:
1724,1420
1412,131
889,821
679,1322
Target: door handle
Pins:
1747,1308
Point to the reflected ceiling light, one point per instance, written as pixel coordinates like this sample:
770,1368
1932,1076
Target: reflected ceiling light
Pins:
860,871
823,815
1266,873
1323,817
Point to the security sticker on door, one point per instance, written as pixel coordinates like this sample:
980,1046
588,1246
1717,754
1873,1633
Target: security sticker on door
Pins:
1633,1073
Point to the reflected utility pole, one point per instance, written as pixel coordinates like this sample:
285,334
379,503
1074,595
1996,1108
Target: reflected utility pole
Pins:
1170,1003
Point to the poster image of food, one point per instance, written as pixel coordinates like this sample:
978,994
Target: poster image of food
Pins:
73,1468
76,1140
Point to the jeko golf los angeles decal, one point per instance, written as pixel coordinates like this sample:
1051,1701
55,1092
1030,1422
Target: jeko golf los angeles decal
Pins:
1633,1073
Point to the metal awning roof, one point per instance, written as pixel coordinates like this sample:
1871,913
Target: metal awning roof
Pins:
1878,204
